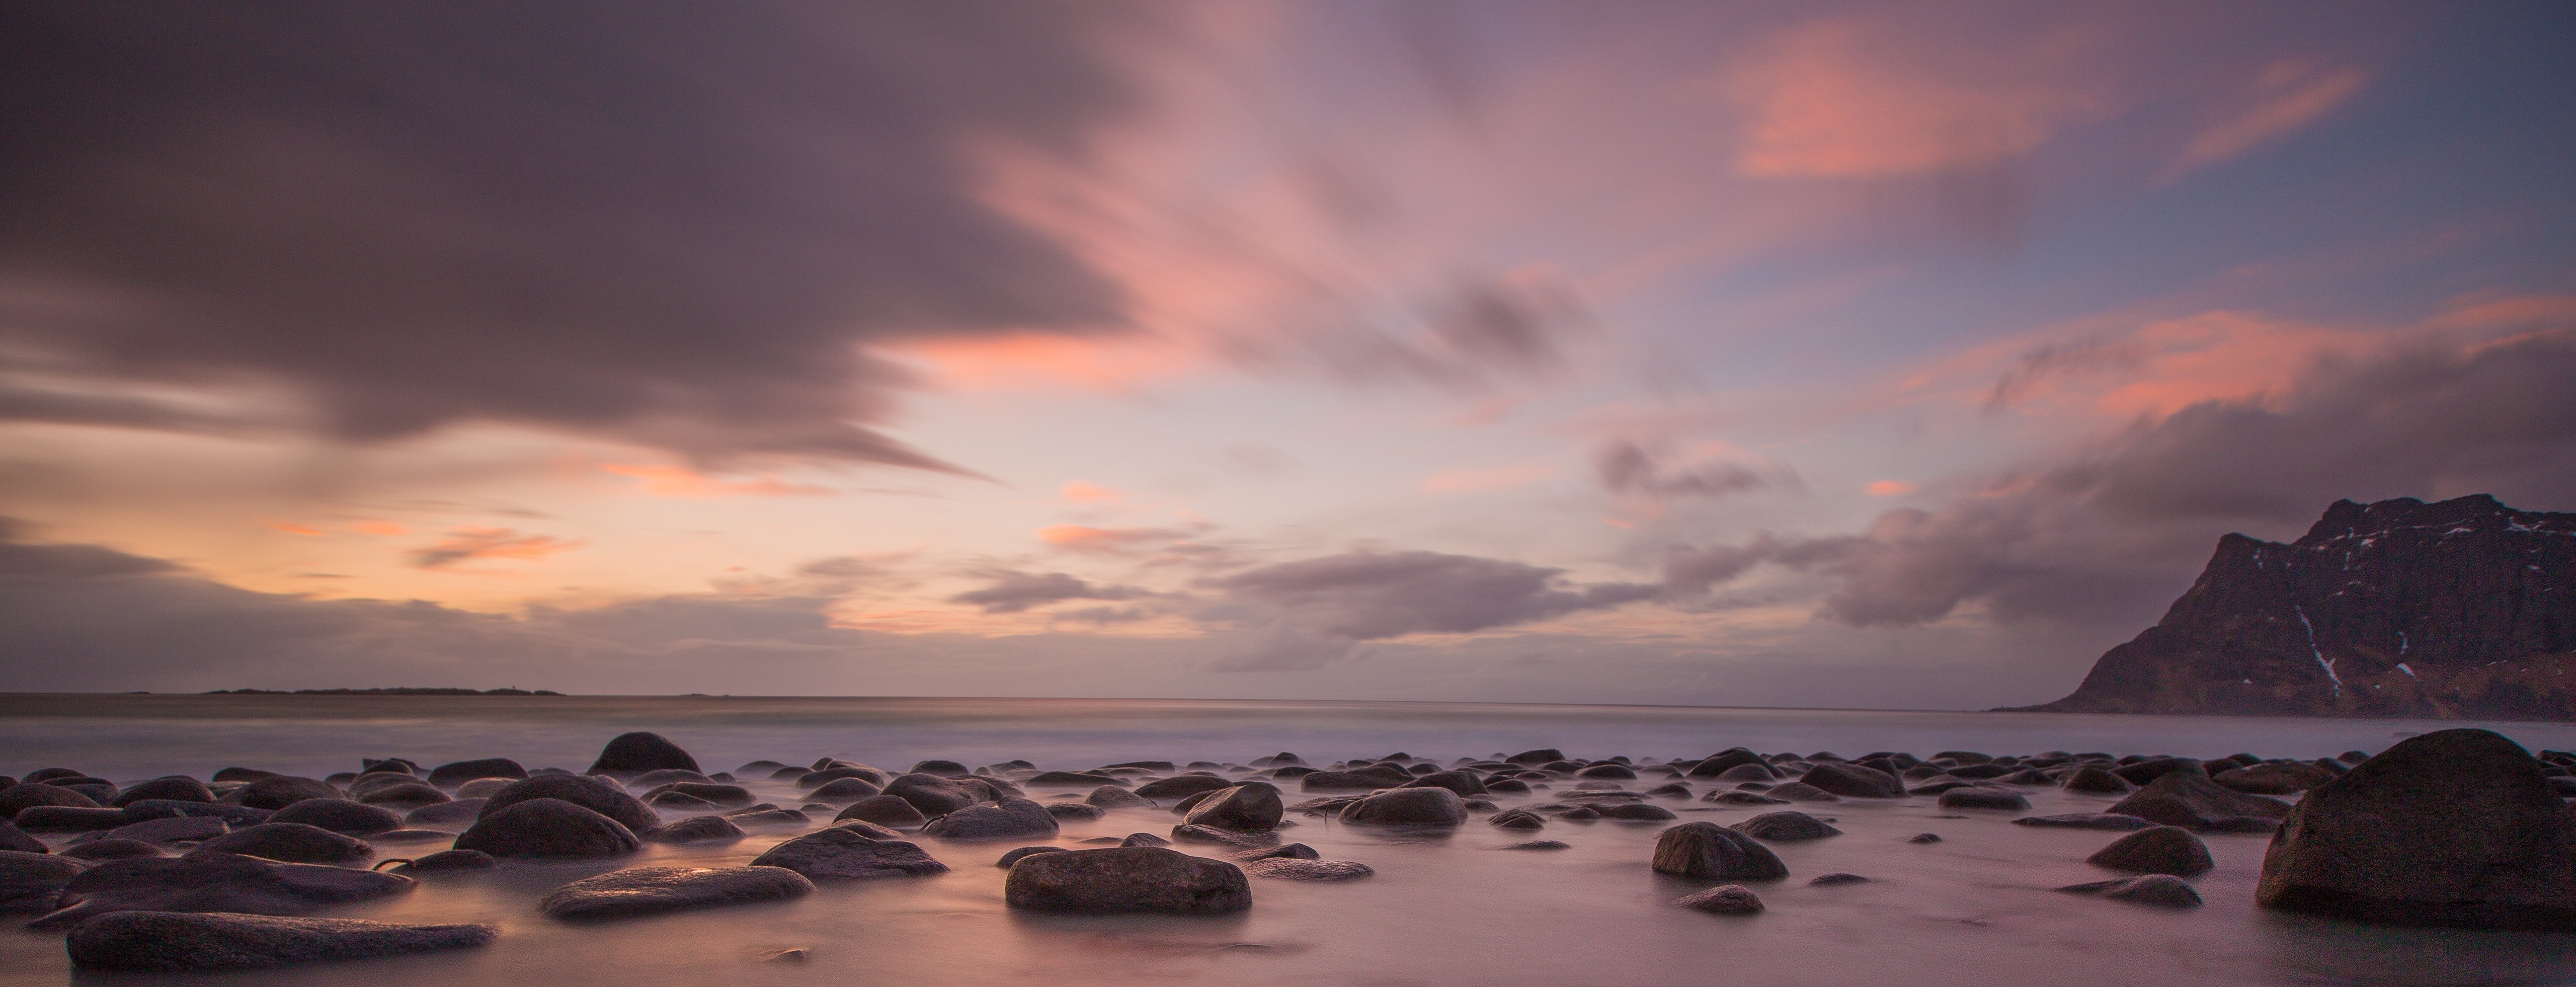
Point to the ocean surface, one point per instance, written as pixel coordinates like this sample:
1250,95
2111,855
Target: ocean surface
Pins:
1976,908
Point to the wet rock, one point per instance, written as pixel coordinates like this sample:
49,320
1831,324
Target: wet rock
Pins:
1293,869
1984,798
1015,856
25,795
639,752
654,890
213,882
1741,798
590,793
32,882
1462,782
1009,819
868,829
449,861
160,942
407,795
1729,899
1784,827
1750,771
1924,838
1129,879
1939,786
280,791
677,803
944,769
2097,781
1250,807
237,815
1539,845
2161,890
2159,850
456,773
712,793
666,776
68,819
1074,810
1073,779
411,836
843,791
844,854
1799,791
1144,839
1113,797
696,829
2143,773
175,788
1633,812
936,796
1718,764
1181,786
2087,820
2273,779
1852,781
291,842
884,810
1517,819
1296,851
455,812
339,816
1676,790
2451,828
112,850
1542,755
99,790
548,827
1210,834
15,840
2190,800
1607,771
1364,780
1712,852
1829,880
765,814
1408,807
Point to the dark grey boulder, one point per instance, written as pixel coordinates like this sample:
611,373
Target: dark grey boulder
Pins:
241,774
1114,797
166,942
1542,755
2450,828
944,769
1633,812
1939,786
1209,834
665,776
2160,850
934,796
238,815
405,795
1852,781
175,788
1298,851
1128,879
447,861
2087,820
1718,764
1785,827
99,790
2097,781
1607,771
1462,782
1253,806
1144,839
1073,779
1674,790
844,854
1752,771
1799,791
214,882
2142,773
1539,845
843,791
2190,800
1352,781
654,890
547,827
1014,856
2160,890
1517,819
2273,778
1728,899
725,796
33,882
280,791
1984,798
68,819
15,840
1709,851
1181,786
1830,880
1741,798
411,836
95,850
824,776
1407,807
26,795
1293,869
454,812
295,843
766,815
456,773
590,793
1006,820
339,816
1074,810
639,752
696,829
1924,838
886,810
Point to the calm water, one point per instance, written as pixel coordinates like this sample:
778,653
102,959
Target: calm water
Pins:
1973,909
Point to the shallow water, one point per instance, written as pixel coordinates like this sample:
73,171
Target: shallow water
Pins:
1975,908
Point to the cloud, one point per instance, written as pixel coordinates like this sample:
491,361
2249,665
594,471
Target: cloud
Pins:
1889,488
1106,541
1477,333
467,543
1017,592
1295,613
1464,480
1629,469
683,482
656,223
1080,492
2288,96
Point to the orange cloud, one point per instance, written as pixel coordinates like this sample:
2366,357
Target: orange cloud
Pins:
1084,538
1853,98
1116,362
1478,481
1890,488
467,543
382,529
681,481
294,529
1080,492
2289,95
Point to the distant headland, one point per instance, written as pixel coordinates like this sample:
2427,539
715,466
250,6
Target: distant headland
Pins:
403,691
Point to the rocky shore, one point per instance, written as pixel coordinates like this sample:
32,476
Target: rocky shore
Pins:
2458,828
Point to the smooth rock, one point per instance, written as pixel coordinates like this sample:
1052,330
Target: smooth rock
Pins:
175,788
1074,810
639,752
295,843
655,890
26,795
339,816
112,850
1298,851
1210,834
2190,800
1293,869
696,829
1799,791
1634,812
1130,879
1539,845
598,796
934,796
723,796
1008,819
1462,782
1181,786
280,791
213,882
163,942
405,795
15,840
844,854
2160,850
1408,807
447,861
1829,880
1015,856
2161,890
454,812
1924,838
1253,806
2087,820
1729,899
33,882
1984,798
886,810
843,791
68,819
2097,781
1785,827
547,827
456,773
2273,779
1852,781
1712,852
1352,781
1741,798
169,809
1517,819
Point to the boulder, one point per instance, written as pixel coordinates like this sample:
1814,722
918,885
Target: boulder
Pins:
406,795
665,776
339,816
1830,880
824,776
448,861
1408,807
1462,782
169,942
454,812
1129,879
1785,827
1607,771
885,810
712,793
944,769
1517,819
1297,851
2190,800
765,814
1210,834
1181,786
2288,778
168,809
280,791
868,829
1727,899
2087,820
935,796
175,788
107,849
2097,781
587,792
696,829
1007,820
2158,850
1114,797
15,840
213,882
1799,791
1852,780
1741,798
2160,890
1542,755
1984,798
1633,811
547,827
1709,851
2142,773
27,795
2450,828
1146,839
843,791
1074,810
1539,845
1014,856
1253,806
1718,764
33,882
1073,779
456,773
654,890
639,752
1294,869
1366,780
845,854
68,819
295,843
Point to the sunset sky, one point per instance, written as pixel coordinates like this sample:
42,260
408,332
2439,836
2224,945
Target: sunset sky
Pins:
1812,354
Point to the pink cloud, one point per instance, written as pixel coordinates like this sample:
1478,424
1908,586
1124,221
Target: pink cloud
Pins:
1085,538
1465,480
1890,488
683,482
1080,492
306,531
1867,98
2287,96
467,543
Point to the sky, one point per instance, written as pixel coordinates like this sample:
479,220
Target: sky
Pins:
1868,355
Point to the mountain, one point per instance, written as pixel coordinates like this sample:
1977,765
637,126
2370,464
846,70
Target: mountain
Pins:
2463,609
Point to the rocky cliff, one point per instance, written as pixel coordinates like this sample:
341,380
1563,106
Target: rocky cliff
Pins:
2463,609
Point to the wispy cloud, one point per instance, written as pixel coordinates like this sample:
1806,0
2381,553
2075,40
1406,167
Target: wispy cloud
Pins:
2287,96
465,544
683,482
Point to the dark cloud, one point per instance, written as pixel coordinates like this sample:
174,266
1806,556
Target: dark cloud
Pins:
1628,468
1016,592
1478,333
665,223
1306,613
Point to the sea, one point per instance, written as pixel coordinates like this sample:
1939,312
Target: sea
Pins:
1979,907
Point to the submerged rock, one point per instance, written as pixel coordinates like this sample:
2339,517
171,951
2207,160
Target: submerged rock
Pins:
339,816
548,828
589,793
112,849
280,791
68,819
696,829
1984,798
1181,786
654,890
1408,807
2190,800
1129,879
884,810
639,752
1538,845
1741,798
1729,899
1009,819
294,843
1633,812
1250,807
1015,856
1074,810
1785,827
15,840
214,882
1851,780
844,854
2097,781
25,795
447,861
2161,890
2087,820
175,788
1114,797
1298,851
934,796
1517,819
1829,880
1294,869
164,942
1712,852
2160,850
455,773
1799,791
33,882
